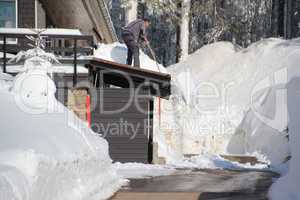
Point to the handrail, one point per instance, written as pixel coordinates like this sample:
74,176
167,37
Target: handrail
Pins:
75,50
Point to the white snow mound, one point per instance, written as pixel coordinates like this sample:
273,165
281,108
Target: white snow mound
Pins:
117,52
224,100
46,152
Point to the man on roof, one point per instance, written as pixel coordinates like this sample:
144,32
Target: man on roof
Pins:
131,35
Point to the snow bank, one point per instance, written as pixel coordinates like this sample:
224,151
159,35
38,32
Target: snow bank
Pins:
216,87
209,161
117,52
46,152
206,161
241,97
139,170
287,187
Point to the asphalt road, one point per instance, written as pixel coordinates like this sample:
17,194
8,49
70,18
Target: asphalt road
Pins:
201,185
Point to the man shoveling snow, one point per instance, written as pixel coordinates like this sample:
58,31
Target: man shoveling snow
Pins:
132,34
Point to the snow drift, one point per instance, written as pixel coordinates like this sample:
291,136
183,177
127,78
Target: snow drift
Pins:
117,52
46,152
248,97
214,92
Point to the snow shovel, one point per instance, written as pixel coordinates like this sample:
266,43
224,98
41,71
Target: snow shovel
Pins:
153,55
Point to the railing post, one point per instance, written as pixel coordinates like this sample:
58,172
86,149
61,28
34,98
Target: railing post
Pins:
75,63
4,54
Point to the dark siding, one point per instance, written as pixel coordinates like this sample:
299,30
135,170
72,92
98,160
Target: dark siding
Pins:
26,13
26,18
124,146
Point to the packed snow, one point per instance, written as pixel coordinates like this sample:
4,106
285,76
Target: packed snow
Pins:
46,152
209,161
117,52
205,161
139,170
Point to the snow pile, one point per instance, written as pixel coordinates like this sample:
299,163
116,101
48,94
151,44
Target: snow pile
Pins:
117,52
208,161
205,161
251,95
46,152
288,186
214,89
139,170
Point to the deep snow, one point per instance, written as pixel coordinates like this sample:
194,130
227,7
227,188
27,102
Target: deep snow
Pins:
240,101
117,52
211,95
46,152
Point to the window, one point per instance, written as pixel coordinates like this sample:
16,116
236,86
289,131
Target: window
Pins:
8,13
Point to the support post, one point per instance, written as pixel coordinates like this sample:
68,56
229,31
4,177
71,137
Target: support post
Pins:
101,79
75,63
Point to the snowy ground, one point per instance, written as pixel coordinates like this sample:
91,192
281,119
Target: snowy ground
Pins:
141,171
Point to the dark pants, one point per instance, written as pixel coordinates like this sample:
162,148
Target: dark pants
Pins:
133,49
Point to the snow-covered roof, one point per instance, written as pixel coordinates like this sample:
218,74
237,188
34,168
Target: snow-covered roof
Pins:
50,31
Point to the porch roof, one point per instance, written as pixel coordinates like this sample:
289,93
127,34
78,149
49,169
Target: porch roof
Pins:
118,74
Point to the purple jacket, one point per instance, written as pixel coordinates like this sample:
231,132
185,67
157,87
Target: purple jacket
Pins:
137,29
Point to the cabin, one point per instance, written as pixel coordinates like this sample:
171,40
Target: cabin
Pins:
116,100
